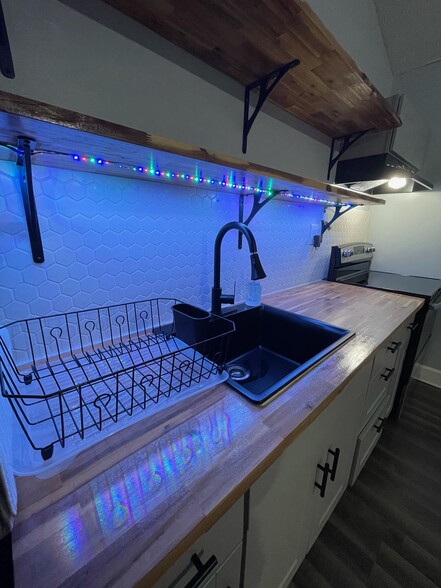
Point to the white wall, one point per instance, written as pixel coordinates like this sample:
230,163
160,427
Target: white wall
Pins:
109,240
65,58
354,24
423,86
123,73
407,232
407,236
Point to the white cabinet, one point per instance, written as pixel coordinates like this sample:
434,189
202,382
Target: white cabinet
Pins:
286,509
211,583
278,507
387,366
291,502
228,575
368,438
404,336
336,429
219,549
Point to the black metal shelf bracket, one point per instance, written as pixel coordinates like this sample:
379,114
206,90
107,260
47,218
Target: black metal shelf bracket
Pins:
25,147
6,64
343,145
266,85
340,210
258,204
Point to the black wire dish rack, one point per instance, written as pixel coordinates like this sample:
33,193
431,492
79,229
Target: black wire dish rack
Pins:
72,379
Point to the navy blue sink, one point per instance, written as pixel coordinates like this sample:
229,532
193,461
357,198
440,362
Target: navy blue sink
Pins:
271,348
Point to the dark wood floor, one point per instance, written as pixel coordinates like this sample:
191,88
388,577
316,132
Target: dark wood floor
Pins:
386,529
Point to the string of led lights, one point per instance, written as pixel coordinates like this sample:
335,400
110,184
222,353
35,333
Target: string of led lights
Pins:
155,173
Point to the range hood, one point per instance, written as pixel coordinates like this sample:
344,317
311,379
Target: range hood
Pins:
388,162
379,174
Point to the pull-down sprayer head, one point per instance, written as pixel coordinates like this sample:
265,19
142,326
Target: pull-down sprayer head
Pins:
257,271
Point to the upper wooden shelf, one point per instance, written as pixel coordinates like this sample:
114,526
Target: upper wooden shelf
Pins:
112,149
248,40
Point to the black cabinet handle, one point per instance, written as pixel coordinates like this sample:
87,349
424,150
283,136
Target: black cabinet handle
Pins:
387,376
322,487
413,326
336,455
380,426
394,346
203,570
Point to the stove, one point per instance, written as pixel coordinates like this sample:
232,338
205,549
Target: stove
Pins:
351,264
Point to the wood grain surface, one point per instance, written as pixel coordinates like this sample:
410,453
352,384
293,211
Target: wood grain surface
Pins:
248,40
125,509
61,130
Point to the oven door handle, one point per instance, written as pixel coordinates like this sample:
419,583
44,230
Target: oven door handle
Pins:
435,303
353,278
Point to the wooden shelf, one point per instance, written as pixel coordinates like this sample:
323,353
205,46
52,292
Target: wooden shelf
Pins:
66,133
247,40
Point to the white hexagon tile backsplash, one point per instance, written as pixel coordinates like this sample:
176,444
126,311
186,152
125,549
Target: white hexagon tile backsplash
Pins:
108,240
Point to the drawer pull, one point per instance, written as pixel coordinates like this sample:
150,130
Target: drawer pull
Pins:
380,426
413,326
203,570
388,375
394,346
322,487
334,466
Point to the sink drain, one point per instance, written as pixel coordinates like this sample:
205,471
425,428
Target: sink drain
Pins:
238,372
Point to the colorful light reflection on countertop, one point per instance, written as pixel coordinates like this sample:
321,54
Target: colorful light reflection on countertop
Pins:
130,491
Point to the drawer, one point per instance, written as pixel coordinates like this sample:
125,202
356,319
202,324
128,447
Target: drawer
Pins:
368,438
385,358
377,390
221,541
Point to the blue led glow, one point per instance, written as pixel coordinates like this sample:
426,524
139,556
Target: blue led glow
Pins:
231,182
315,199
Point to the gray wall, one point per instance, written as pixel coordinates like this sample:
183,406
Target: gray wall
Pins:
134,78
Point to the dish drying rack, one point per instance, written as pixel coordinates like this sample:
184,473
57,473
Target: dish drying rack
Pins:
70,377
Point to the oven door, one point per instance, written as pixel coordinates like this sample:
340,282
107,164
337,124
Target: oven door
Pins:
353,273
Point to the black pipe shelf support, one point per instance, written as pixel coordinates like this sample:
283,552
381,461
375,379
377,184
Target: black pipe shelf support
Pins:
258,204
6,64
25,148
266,85
344,144
340,210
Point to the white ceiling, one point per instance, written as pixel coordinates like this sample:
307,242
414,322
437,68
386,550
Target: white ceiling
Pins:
412,32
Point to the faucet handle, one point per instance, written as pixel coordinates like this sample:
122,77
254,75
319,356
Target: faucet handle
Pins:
229,298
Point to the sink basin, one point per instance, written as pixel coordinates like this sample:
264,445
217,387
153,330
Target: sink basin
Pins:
271,348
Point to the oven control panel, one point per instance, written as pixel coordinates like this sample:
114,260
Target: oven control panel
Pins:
353,252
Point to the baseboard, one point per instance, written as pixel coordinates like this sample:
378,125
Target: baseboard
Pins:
427,375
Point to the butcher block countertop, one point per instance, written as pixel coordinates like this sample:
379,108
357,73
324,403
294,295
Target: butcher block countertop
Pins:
126,508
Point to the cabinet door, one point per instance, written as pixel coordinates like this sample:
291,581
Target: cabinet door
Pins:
211,583
404,337
278,500
339,427
220,541
228,575
367,440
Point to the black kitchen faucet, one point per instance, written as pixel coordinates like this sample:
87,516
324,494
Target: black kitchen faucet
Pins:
257,272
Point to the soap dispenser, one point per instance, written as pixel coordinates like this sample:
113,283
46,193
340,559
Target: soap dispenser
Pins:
254,292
